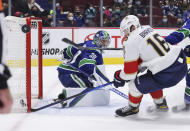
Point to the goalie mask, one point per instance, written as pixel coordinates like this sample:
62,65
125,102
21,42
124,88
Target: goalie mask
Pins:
126,24
102,39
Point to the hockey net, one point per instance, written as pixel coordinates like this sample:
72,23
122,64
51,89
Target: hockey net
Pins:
24,36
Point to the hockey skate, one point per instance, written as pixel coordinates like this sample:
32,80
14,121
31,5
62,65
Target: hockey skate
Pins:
126,111
62,96
181,108
162,107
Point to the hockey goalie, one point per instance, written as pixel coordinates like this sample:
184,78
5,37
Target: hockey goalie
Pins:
82,69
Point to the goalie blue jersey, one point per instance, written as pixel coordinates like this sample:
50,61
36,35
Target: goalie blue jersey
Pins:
84,60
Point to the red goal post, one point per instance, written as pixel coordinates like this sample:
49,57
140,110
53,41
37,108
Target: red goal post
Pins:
26,83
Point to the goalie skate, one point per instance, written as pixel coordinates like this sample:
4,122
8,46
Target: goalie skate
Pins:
181,108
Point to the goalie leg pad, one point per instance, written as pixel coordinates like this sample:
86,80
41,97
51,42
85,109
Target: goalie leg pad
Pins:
98,97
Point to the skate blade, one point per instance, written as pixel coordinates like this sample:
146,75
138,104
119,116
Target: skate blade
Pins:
133,115
152,109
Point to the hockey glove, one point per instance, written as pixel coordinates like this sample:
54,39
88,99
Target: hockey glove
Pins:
118,82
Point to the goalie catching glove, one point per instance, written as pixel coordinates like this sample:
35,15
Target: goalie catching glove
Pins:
118,81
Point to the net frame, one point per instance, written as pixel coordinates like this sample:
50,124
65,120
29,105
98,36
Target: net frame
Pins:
28,61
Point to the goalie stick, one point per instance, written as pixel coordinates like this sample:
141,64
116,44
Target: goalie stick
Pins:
111,89
61,100
66,40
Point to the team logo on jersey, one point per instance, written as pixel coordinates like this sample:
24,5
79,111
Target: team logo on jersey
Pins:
93,56
45,37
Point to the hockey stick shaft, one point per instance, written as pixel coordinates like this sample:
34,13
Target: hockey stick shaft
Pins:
66,40
119,93
81,93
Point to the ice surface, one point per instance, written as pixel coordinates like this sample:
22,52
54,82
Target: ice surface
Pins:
97,118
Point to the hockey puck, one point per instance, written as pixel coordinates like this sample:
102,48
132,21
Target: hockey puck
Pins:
25,28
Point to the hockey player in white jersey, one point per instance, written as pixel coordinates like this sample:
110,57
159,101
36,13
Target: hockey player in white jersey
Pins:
144,47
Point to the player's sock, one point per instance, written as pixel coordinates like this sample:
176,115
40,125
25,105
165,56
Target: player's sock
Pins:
126,111
135,97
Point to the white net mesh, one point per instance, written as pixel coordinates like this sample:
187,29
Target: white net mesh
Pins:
16,60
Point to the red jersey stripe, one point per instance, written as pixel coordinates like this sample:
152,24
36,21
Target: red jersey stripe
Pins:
131,67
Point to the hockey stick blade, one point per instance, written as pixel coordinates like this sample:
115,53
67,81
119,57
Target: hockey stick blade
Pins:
66,40
81,93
